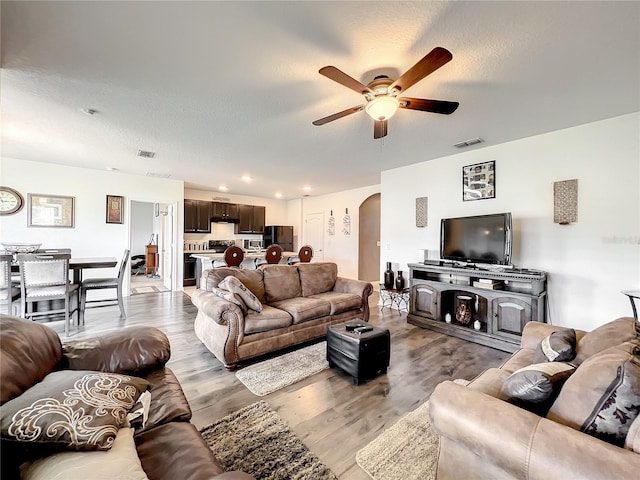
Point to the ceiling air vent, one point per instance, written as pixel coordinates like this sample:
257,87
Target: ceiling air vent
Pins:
146,154
158,175
468,143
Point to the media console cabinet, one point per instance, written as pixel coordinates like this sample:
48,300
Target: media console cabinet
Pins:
437,291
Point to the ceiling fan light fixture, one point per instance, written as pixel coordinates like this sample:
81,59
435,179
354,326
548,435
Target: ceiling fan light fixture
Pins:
382,107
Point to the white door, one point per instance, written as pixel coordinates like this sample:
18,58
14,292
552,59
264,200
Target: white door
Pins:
314,234
167,248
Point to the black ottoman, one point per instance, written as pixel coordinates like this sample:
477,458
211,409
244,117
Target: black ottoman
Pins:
361,355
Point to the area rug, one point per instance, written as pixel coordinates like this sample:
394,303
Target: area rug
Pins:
140,290
276,373
257,441
406,451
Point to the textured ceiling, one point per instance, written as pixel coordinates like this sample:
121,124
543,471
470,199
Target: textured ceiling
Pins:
222,89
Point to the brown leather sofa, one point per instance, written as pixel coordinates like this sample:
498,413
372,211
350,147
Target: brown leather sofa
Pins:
168,447
483,436
298,303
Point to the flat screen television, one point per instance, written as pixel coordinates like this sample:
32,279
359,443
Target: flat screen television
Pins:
478,239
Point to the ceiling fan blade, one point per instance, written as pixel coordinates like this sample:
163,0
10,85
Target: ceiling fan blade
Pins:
428,64
435,106
338,115
379,129
343,79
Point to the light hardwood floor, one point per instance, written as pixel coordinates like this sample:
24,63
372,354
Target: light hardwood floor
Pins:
333,417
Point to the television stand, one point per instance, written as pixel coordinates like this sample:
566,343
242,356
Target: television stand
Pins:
501,300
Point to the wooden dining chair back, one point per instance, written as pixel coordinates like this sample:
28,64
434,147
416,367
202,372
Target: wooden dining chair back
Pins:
273,254
8,292
233,256
102,284
305,254
43,277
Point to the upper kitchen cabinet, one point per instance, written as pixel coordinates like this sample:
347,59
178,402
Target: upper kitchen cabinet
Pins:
197,216
251,219
225,212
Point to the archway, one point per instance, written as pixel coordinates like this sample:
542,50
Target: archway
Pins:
369,240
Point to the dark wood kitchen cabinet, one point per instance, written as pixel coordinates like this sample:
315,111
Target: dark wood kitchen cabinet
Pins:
251,219
197,216
225,212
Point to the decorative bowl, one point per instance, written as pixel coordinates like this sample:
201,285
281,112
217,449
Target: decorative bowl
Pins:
14,248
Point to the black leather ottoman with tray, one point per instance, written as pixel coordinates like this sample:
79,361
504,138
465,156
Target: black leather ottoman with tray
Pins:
359,349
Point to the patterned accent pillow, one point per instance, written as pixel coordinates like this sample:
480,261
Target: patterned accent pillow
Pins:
76,410
619,406
230,297
560,346
234,285
534,387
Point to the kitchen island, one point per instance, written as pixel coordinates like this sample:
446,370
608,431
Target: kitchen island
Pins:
206,259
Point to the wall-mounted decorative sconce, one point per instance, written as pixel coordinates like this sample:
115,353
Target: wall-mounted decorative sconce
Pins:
421,211
565,202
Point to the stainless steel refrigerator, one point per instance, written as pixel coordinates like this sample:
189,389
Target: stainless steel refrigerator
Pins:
279,234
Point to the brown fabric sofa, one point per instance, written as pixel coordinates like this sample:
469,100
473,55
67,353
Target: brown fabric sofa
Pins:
168,447
483,436
299,302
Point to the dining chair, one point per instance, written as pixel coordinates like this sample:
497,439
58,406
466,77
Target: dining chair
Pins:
8,292
102,284
45,277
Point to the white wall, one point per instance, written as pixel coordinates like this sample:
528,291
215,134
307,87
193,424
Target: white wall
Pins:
589,262
339,248
91,236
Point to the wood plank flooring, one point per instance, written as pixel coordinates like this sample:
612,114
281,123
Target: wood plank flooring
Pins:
333,417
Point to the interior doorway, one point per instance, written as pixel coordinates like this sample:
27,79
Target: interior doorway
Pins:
314,234
369,240
148,237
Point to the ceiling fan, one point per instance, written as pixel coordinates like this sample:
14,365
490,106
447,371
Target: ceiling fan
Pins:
382,92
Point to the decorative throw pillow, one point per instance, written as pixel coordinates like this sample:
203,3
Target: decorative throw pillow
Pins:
230,297
534,387
560,346
121,462
234,285
76,410
603,397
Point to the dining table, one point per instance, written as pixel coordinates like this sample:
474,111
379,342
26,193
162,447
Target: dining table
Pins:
78,265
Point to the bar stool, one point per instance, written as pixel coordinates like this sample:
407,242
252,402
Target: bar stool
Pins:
233,256
271,256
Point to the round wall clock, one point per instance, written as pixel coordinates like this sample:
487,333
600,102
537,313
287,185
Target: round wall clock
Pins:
10,201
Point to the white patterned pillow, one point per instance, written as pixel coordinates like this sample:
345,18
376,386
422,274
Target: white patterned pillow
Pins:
234,285
76,410
121,462
230,297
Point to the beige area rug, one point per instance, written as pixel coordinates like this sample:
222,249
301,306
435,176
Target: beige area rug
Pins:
257,441
406,451
266,377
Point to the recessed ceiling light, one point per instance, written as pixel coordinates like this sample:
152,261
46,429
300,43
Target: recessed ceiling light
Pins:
89,111
112,169
306,188
246,178
278,195
223,188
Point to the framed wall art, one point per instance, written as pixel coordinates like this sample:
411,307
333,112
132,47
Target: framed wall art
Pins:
115,209
479,181
50,211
